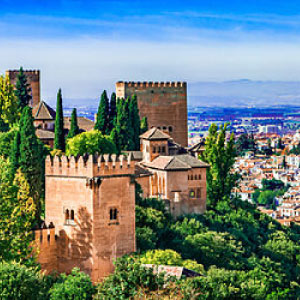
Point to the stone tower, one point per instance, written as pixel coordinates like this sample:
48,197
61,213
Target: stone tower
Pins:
33,78
163,103
91,203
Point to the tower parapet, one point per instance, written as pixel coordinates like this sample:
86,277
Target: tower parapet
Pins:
90,165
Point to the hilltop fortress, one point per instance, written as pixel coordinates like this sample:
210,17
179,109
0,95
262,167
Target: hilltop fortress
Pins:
90,200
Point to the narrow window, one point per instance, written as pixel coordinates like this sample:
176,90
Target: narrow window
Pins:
158,149
170,128
113,214
72,215
154,149
67,215
192,177
163,149
192,194
198,192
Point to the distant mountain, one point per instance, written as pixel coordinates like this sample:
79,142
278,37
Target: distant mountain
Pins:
244,92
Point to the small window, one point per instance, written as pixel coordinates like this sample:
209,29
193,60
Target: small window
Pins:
113,214
164,128
67,215
154,149
158,149
192,194
198,192
163,149
192,177
199,176
72,215
170,128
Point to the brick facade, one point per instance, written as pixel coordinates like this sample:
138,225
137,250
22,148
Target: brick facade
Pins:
163,103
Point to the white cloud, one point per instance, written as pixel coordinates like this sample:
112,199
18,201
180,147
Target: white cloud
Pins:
83,67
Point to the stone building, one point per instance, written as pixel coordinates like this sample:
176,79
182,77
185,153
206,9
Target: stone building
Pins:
91,203
163,103
33,78
178,178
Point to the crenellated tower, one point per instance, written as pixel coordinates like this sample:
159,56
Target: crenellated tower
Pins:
163,103
33,78
91,202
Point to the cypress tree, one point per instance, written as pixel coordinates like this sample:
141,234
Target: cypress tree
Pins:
15,153
144,125
22,91
74,129
128,121
59,139
112,112
103,114
135,122
31,158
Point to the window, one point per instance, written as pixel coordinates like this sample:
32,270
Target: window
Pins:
170,128
72,215
163,149
198,192
67,215
158,149
164,127
113,214
192,193
192,177
154,149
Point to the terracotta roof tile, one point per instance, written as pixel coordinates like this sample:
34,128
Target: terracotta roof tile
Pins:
155,134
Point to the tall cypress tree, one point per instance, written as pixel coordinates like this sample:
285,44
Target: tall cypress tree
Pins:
135,122
144,125
103,114
128,111
31,158
112,112
15,153
74,129
59,139
22,91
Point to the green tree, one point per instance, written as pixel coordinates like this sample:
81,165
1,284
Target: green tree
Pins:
20,282
17,211
90,142
102,119
221,157
15,153
135,122
144,125
8,102
112,112
59,138
75,286
74,129
22,91
32,158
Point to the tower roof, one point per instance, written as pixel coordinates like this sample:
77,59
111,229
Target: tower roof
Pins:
43,111
155,134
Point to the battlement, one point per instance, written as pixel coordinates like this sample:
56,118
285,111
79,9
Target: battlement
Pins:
44,236
147,84
27,72
90,165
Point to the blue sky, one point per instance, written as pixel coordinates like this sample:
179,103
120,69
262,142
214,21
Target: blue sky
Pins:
85,46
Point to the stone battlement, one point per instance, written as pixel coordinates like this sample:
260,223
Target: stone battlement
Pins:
147,84
45,236
27,72
90,165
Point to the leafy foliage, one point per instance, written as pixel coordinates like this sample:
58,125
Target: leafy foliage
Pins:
76,286
22,91
59,138
144,125
221,157
74,129
90,142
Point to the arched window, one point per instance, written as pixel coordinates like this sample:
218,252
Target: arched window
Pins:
192,177
113,214
72,215
67,215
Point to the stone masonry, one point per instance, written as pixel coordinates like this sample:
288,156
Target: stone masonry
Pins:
163,103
